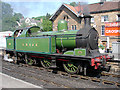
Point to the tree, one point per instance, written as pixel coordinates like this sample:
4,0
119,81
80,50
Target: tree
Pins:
8,17
39,18
46,24
73,4
7,11
18,16
48,16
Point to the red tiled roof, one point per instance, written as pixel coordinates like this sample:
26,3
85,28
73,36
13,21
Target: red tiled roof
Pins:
96,7
79,8
105,6
71,8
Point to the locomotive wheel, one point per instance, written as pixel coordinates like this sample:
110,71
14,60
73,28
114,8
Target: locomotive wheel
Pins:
46,63
29,61
71,67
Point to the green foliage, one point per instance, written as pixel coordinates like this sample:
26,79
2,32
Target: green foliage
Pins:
73,4
46,24
39,18
18,16
8,17
48,16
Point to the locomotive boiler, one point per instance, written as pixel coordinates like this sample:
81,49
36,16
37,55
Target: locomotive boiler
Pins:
76,50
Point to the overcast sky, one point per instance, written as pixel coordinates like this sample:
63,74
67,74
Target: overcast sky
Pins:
34,8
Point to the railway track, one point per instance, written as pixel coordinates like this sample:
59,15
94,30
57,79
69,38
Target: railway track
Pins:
64,74
32,75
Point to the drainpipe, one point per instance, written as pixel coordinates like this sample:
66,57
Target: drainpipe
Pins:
108,39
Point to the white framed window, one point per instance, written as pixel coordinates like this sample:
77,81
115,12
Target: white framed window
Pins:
74,27
66,17
102,30
118,17
92,20
104,18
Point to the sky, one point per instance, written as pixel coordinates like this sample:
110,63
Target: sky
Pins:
35,8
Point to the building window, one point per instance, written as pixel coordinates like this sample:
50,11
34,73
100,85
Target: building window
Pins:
65,17
104,18
118,17
92,20
103,30
74,27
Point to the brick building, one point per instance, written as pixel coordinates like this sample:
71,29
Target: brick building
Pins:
105,12
102,12
68,13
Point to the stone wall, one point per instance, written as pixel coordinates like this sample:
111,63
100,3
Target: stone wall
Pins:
72,20
112,16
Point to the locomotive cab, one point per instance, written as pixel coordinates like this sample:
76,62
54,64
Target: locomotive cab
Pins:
17,33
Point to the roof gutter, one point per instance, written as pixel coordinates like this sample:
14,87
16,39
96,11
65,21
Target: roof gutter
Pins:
105,11
71,10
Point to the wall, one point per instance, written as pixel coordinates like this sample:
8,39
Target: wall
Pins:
3,38
112,16
73,20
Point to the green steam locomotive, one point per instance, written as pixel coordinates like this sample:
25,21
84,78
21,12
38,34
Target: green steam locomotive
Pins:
75,50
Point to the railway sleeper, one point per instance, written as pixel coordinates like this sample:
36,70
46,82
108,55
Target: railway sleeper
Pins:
41,69
105,74
95,80
64,74
108,82
116,76
118,85
84,77
74,76
49,70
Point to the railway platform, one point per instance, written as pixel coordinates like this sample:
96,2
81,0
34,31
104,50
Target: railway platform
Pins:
11,82
116,56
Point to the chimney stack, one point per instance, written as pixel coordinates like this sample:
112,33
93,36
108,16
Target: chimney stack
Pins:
102,0
87,20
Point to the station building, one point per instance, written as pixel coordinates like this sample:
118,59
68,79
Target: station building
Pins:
3,36
102,13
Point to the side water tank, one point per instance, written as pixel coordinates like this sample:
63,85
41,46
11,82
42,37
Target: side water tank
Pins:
62,25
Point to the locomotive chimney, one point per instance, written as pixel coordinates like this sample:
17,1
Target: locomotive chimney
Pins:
87,20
